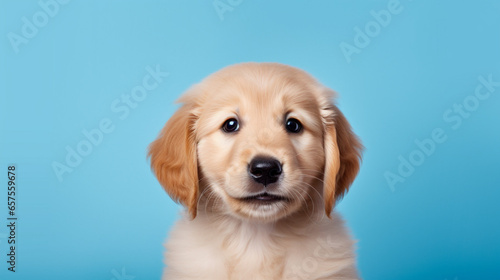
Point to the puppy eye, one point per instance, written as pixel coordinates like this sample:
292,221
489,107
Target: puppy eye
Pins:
231,125
293,125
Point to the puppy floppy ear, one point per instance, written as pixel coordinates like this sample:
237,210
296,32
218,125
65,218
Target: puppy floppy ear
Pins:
174,160
342,157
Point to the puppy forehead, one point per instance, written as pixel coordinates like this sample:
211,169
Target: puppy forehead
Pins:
265,97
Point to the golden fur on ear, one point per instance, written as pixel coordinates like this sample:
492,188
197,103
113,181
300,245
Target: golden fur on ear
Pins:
342,158
174,161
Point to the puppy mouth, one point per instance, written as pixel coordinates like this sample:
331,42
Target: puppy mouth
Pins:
264,198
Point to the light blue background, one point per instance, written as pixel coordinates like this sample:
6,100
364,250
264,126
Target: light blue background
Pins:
109,217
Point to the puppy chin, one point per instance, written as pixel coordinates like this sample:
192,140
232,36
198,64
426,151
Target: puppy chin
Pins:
261,211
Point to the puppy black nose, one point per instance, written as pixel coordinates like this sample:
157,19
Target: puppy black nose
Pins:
265,170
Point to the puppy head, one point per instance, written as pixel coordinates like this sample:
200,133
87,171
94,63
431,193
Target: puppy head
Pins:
257,141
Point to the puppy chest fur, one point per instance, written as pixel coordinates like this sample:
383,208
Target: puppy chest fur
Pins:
245,251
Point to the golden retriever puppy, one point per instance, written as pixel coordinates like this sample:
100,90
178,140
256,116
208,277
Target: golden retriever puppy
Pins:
258,154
